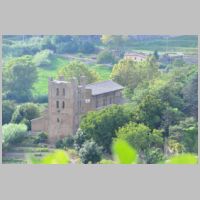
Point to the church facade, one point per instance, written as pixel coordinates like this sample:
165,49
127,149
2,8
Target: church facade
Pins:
68,101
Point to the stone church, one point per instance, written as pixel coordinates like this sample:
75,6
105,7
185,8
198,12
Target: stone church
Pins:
68,101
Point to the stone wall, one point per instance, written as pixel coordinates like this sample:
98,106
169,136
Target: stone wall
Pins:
39,124
67,103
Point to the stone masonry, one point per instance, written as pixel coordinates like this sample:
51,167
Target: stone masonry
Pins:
68,101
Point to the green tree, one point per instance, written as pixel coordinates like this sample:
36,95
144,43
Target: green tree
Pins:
186,134
116,42
170,116
101,125
79,139
131,74
127,73
18,77
77,69
149,111
24,113
106,57
143,139
8,108
190,96
90,152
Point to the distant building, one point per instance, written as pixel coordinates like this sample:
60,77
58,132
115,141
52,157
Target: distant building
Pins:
68,101
170,57
138,57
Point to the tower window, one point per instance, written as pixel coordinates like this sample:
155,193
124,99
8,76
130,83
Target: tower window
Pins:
63,91
63,104
57,104
57,91
58,120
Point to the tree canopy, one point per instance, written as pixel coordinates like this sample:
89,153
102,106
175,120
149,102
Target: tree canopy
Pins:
101,125
19,74
77,69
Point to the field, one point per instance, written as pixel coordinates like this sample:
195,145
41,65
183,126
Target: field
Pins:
41,85
184,44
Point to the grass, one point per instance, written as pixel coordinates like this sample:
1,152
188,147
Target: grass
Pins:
186,44
103,71
41,85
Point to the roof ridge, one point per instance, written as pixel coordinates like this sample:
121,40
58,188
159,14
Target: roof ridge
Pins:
100,82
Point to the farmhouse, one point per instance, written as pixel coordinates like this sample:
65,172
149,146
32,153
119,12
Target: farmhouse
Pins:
68,101
138,57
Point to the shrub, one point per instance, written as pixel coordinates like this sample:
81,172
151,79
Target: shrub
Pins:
123,152
59,144
79,139
64,143
90,152
186,158
13,134
41,138
68,142
154,155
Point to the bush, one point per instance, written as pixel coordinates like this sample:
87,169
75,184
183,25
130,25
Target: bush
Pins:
43,58
41,138
68,142
59,144
79,139
13,134
90,152
8,108
105,57
154,155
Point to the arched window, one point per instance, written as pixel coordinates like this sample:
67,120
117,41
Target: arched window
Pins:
63,91
63,104
57,91
58,120
57,104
